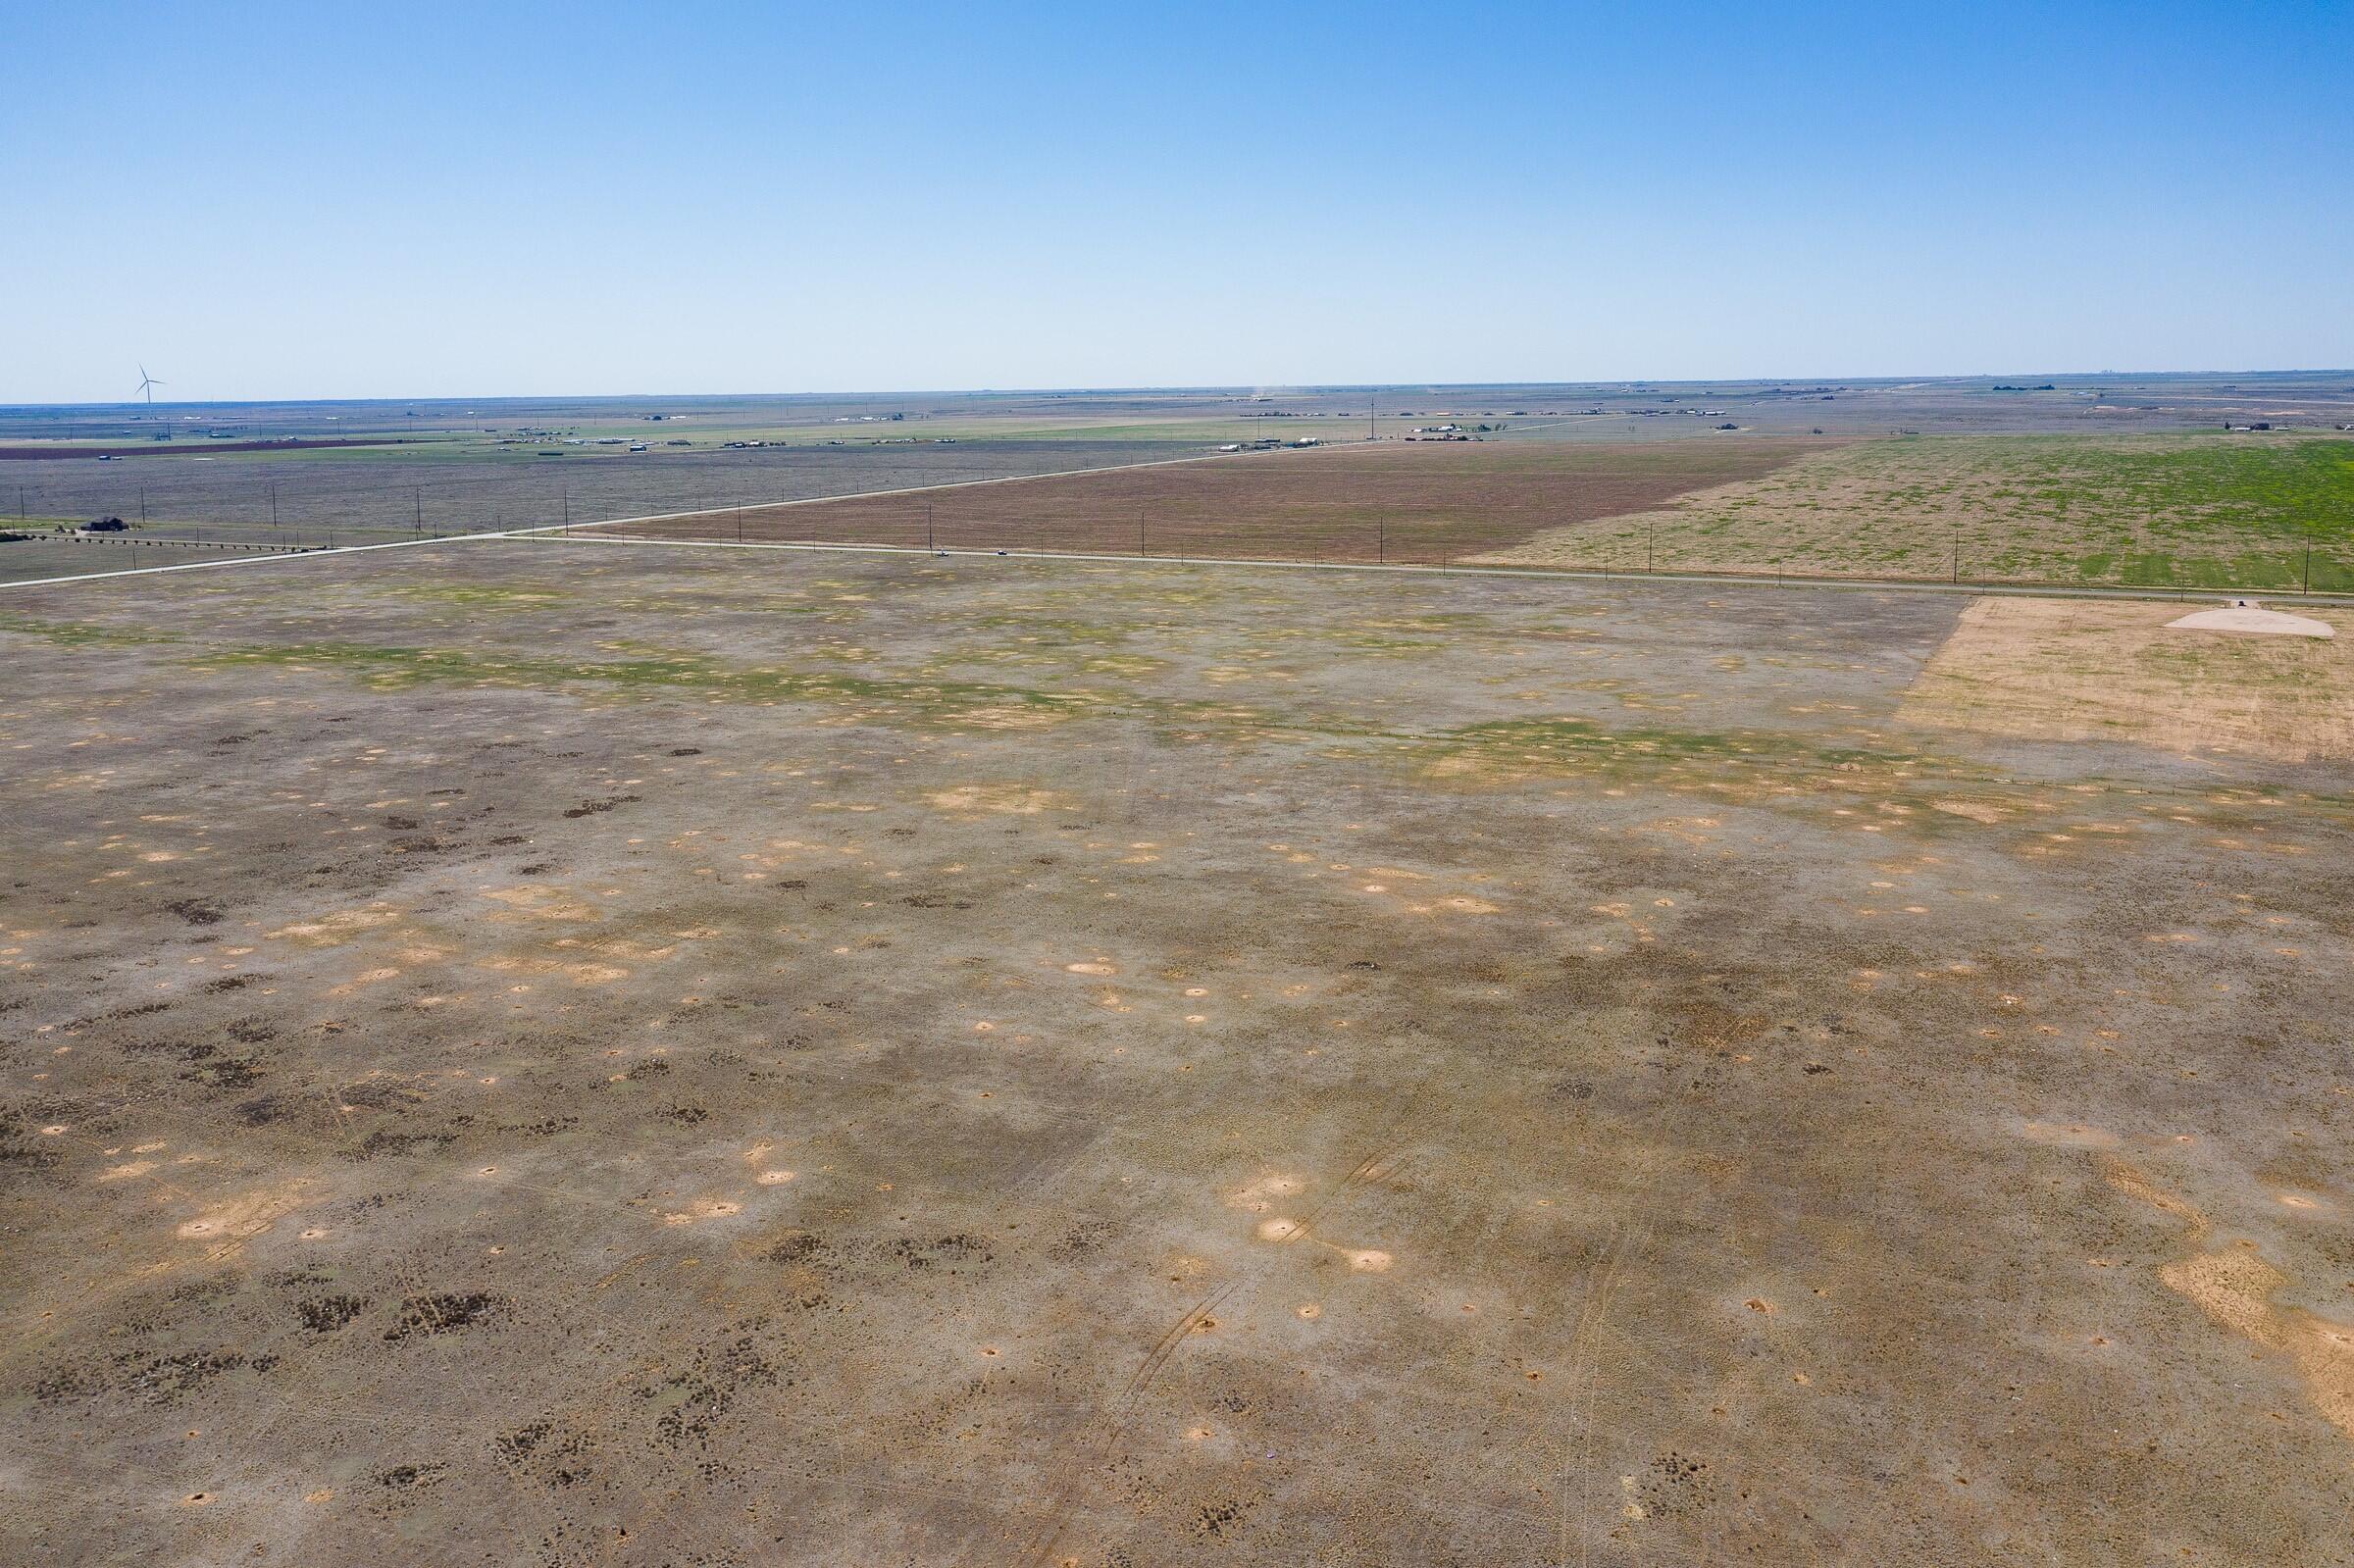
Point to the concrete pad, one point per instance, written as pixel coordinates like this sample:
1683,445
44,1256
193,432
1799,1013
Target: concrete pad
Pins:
2247,616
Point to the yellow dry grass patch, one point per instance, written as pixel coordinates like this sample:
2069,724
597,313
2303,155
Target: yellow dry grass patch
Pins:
249,1214
1008,716
2234,1288
999,799
541,902
2081,670
332,929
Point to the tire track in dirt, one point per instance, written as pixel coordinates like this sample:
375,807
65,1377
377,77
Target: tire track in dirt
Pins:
1114,1419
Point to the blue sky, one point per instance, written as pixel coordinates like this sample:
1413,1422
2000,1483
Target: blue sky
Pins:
263,201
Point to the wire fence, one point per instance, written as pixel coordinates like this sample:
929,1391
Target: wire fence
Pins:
345,500
966,522
300,512
1157,514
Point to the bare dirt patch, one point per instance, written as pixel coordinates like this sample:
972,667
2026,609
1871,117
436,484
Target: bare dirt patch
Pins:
1396,501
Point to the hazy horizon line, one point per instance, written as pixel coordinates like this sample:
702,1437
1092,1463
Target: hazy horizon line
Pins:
1264,388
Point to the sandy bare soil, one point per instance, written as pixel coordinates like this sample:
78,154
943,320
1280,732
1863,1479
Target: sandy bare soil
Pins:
587,1054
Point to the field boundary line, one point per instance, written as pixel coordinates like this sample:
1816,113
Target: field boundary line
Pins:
1748,580
579,532
573,529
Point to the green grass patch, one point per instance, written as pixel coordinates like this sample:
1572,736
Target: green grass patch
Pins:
2209,511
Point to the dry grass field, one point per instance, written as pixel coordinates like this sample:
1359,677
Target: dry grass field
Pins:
33,559
2068,670
571,1054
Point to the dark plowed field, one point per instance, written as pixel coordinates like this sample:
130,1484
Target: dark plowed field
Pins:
1418,502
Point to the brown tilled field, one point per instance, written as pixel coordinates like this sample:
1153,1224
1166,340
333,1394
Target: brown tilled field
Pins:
1421,502
569,1054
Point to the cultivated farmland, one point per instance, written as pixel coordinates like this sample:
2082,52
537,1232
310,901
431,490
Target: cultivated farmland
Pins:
1422,503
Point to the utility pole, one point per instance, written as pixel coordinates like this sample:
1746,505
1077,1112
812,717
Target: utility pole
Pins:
567,506
274,506
2308,566
419,494
1369,435
931,539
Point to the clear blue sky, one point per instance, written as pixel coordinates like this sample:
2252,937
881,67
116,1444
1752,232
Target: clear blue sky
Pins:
317,201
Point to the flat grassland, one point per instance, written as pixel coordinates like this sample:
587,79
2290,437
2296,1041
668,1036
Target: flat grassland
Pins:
575,1053
1422,503
2207,511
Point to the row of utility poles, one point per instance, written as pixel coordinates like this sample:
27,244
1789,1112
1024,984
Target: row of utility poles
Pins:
1381,532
